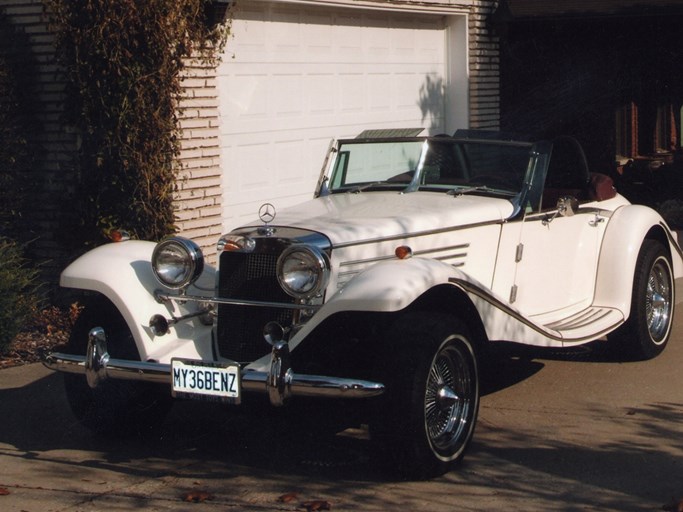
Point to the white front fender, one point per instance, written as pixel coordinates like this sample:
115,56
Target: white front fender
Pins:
391,285
385,287
122,272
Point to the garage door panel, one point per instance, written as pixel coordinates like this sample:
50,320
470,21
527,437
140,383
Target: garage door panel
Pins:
262,102
246,99
319,88
285,94
378,98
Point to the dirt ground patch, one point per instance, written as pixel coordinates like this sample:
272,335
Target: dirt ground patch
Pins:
49,328
28,347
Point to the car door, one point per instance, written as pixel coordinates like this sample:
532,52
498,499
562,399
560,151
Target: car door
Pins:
557,255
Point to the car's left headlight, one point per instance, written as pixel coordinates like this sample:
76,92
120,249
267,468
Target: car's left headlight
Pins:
177,262
303,271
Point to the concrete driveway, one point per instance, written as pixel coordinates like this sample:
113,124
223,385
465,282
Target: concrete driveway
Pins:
556,432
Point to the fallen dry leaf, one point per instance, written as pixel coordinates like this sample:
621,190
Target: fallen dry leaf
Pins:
3,491
197,497
313,506
288,498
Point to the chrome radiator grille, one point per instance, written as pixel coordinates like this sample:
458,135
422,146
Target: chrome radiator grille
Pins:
248,276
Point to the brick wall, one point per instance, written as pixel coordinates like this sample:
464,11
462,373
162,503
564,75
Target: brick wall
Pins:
484,68
198,197
55,144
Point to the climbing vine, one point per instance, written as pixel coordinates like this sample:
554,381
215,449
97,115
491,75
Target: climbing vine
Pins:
123,61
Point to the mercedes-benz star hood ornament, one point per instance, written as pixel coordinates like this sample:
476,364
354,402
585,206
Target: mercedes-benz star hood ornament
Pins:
267,215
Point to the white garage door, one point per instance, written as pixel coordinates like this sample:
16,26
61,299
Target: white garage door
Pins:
293,77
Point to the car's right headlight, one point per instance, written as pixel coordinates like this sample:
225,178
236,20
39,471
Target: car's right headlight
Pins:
303,271
177,262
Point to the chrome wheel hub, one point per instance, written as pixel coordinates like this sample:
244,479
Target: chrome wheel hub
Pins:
448,398
658,300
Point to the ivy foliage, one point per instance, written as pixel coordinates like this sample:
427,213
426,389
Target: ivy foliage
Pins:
123,61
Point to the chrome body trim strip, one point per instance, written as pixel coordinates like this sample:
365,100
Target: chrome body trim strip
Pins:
543,216
484,295
405,236
672,239
416,253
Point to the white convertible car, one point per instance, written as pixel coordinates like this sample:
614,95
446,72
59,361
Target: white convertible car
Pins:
415,256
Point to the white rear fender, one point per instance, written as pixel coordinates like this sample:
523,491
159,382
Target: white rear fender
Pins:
624,236
122,272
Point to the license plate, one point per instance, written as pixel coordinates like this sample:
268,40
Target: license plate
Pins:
206,381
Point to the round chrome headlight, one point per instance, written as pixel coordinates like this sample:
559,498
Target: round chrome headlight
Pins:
177,262
303,271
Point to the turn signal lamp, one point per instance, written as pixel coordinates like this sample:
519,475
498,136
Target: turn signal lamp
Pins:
403,252
235,243
119,236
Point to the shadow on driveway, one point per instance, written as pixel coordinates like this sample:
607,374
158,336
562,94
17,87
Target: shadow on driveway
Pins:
524,457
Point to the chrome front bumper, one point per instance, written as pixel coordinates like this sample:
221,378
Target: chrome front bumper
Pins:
280,383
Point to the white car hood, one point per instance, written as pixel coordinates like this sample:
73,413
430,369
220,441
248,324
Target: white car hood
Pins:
346,218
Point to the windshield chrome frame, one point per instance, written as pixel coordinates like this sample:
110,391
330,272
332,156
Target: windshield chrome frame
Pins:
533,177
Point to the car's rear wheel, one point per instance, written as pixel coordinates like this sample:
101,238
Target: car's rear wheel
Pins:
646,332
114,407
428,414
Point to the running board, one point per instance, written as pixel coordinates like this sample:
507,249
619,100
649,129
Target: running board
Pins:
592,322
504,322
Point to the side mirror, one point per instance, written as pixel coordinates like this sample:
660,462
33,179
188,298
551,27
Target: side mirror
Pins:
566,207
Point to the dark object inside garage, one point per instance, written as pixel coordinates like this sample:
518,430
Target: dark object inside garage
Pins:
608,72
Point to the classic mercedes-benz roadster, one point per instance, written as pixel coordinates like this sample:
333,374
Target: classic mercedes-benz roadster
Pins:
414,258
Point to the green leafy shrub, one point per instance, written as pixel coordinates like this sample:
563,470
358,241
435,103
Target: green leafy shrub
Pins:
123,61
19,297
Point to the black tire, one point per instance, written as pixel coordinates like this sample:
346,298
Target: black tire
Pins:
426,420
646,332
115,407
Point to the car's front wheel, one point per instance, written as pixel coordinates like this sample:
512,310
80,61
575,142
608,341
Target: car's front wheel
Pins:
646,332
114,407
429,411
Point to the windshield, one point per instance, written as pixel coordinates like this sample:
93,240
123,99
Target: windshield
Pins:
438,163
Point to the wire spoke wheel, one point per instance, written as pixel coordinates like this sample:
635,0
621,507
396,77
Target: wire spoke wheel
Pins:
646,332
447,399
658,300
427,416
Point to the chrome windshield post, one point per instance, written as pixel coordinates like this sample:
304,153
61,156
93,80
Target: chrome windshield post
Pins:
415,182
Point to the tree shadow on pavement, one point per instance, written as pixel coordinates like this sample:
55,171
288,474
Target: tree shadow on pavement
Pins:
621,472
38,421
299,450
